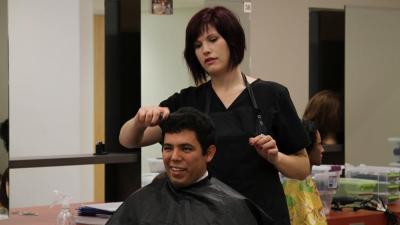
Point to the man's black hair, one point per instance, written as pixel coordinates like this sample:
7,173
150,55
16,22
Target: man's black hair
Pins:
4,201
311,130
188,118
4,133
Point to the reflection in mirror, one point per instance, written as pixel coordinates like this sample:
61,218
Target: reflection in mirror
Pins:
326,81
3,110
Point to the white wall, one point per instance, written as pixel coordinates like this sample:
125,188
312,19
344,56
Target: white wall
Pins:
51,100
372,100
3,78
279,45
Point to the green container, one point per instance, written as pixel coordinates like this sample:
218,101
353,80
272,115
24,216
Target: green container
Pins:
356,187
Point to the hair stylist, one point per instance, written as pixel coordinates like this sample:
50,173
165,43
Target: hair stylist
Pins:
258,130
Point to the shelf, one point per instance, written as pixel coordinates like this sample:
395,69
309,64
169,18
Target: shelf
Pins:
70,160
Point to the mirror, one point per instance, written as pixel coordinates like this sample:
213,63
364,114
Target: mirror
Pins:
349,63
326,81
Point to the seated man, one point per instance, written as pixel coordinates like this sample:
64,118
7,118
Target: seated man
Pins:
186,193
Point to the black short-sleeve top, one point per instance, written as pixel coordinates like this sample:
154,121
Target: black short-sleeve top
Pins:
236,163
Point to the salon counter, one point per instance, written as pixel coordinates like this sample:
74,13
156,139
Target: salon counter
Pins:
44,215
47,216
361,217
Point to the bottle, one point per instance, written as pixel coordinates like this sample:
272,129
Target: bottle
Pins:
65,216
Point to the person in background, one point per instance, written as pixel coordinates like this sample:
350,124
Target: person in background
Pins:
302,196
4,193
325,109
258,130
4,185
4,133
186,193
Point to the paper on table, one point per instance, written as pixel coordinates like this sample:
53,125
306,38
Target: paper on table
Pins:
109,206
84,220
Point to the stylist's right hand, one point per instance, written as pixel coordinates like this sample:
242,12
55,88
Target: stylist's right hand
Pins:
151,116
266,147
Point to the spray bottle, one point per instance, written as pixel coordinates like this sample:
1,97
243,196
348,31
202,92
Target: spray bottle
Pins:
65,216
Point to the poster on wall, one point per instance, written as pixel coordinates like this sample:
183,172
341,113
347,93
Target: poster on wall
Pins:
162,7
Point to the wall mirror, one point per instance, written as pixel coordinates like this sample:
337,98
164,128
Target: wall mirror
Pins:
326,80
347,48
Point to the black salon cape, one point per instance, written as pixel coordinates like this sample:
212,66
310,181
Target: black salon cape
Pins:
207,202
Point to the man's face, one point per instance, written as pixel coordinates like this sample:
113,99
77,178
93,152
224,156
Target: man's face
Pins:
183,158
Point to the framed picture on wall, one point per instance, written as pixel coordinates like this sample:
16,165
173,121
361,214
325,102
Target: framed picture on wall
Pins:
162,7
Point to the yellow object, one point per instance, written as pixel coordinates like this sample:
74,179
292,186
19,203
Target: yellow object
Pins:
304,203
99,102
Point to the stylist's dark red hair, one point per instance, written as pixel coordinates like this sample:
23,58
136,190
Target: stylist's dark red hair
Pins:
227,25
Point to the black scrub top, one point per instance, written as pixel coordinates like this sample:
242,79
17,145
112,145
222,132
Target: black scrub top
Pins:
236,163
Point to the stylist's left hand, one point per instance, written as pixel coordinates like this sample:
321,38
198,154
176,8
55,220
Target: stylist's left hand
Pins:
266,147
